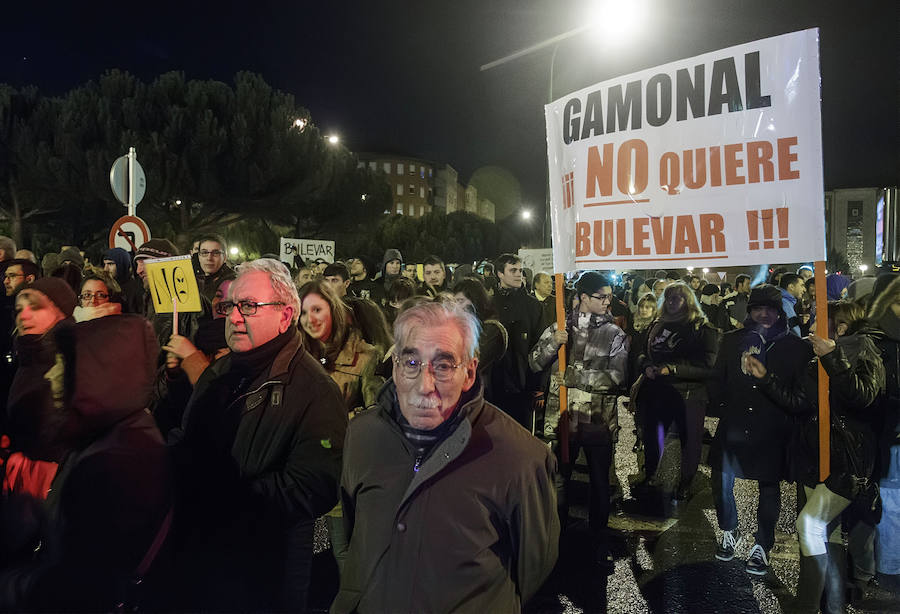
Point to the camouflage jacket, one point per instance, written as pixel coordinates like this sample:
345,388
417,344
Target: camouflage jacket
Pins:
597,354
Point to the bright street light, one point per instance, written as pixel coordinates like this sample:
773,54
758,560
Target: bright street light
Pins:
864,267
334,139
526,214
690,269
705,271
234,251
616,20
300,124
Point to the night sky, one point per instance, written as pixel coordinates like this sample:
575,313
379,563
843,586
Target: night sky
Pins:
404,77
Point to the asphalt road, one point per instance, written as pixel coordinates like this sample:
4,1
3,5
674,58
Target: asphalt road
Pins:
665,552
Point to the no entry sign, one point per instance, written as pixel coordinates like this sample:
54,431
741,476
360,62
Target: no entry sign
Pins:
129,232
714,160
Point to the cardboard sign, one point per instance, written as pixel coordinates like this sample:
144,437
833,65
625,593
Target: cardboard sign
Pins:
173,278
538,260
306,249
714,160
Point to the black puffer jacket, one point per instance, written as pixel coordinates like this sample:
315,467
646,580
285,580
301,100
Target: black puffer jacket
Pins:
856,379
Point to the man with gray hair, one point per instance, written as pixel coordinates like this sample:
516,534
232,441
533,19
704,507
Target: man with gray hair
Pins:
260,455
448,503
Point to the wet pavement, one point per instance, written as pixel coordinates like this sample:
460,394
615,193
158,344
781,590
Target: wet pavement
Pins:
664,552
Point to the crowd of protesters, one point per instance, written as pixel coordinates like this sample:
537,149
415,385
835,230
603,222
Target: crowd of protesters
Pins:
408,417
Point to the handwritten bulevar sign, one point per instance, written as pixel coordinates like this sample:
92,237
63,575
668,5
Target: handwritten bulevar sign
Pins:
714,161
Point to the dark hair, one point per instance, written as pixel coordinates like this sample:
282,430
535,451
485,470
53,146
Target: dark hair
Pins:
432,260
740,279
112,286
28,267
71,274
401,289
370,321
504,259
474,290
213,237
337,268
788,279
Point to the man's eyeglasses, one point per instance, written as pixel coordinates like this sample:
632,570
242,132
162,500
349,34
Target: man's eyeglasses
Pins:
601,297
89,296
442,370
13,275
246,308
215,252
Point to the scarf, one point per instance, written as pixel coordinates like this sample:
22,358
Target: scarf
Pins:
249,365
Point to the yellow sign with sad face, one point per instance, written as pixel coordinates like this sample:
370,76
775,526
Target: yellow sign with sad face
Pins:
172,281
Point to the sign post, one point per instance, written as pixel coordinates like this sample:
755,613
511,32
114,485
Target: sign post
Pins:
128,182
563,430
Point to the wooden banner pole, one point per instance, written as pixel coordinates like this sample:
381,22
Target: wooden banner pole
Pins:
563,431
824,407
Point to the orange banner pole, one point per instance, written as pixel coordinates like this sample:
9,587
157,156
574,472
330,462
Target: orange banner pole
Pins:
824,407
563,393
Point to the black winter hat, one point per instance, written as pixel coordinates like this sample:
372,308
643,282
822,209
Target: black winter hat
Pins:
709,290
765,295
58,291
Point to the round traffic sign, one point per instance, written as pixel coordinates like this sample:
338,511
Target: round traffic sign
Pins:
119,180
129,232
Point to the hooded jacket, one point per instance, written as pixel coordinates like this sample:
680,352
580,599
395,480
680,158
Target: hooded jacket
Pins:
113,487
473,529
132,286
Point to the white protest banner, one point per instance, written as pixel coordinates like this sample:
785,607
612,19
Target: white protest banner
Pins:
307,249
538,260
711,161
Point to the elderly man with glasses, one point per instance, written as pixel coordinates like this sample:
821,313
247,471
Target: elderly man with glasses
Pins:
260,455
448,503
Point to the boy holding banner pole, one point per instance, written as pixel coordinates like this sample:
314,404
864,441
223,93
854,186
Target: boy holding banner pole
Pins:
581,411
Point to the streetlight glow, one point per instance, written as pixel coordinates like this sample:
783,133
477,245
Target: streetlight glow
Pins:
234,251
864,267
300,124
705,270
334,139
616,20
690,269
526,214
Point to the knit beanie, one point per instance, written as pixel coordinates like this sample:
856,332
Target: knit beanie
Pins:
590,282
156,248
72,255
58,291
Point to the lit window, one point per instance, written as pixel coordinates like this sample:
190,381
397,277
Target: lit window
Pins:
421,210
399,169
412,190
400,208
372,165
412,169
360,164
399,189
421,192
387,168
429,172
